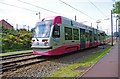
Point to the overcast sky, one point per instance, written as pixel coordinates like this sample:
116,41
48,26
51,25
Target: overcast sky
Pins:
23,12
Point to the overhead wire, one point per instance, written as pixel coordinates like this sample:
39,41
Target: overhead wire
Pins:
18,7
76,9
27,8
38,7
42,7
97,8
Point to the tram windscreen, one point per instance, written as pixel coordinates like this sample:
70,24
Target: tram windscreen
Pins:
42,29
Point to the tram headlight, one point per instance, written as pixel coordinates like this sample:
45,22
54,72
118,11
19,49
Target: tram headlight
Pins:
45,42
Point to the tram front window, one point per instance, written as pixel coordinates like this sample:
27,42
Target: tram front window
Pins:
42,29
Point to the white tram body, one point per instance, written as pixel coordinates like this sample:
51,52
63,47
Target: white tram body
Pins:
58,35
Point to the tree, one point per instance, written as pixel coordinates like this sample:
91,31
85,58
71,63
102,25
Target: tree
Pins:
116,34
116,7
116,10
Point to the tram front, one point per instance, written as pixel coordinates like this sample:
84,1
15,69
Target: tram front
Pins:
41,37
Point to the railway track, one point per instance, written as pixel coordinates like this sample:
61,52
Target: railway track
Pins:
16,55
14,62
17,61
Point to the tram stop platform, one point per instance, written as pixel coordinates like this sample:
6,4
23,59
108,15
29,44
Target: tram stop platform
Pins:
107,67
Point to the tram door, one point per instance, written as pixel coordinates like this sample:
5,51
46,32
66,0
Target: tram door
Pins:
90,35
82,38
56,36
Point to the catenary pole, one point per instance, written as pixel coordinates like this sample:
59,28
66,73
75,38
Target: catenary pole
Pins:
111,29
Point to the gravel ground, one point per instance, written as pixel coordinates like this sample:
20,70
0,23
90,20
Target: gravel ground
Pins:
18,58
46,68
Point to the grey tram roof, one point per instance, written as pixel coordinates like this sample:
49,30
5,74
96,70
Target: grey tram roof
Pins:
80,25
76,24
69,22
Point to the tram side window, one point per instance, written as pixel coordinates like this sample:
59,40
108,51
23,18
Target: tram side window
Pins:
56,31
98,36
68,33
82,35
95,37
87,36
76,34
91,36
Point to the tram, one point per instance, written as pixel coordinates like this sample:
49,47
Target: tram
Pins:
59,35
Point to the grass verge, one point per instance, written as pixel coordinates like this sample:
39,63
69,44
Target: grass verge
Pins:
70,70
16,52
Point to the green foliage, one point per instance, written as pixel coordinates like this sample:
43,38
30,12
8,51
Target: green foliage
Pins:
116,34
116,7
13,40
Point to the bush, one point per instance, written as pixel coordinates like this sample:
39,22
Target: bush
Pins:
14,40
